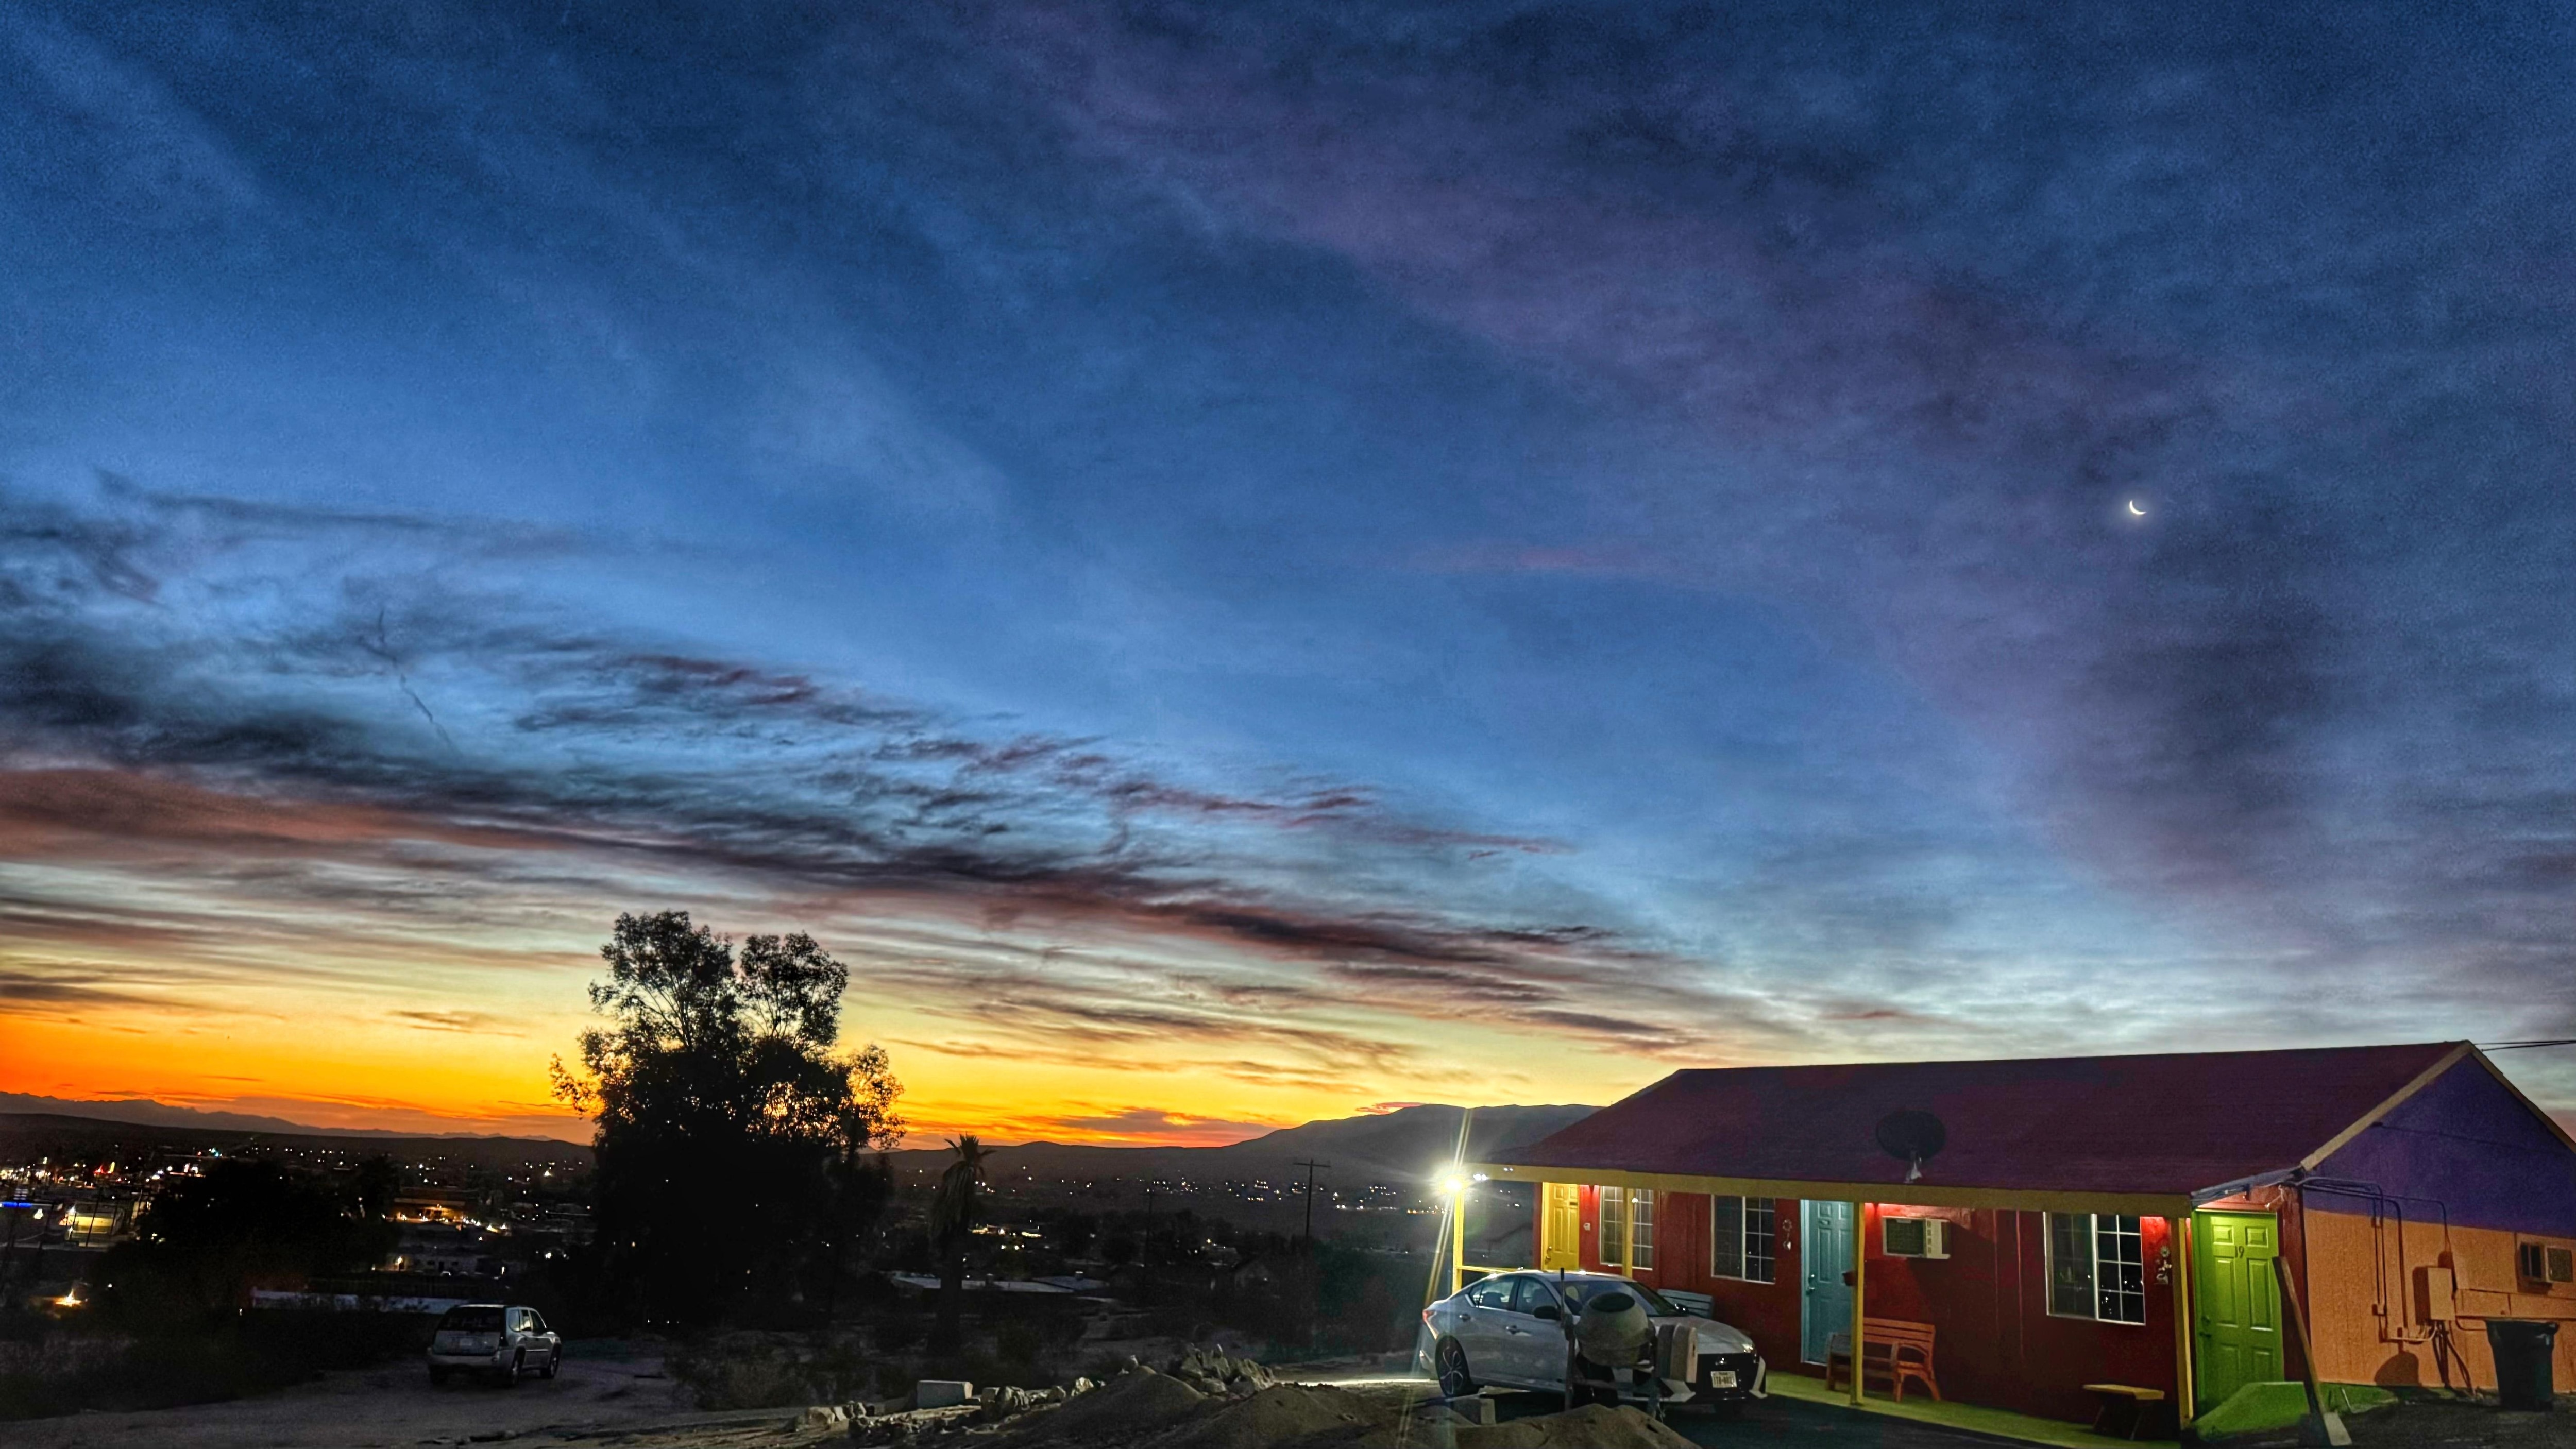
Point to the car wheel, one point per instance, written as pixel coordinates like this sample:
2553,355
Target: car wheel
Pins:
1451,1361
554,1364
518,1365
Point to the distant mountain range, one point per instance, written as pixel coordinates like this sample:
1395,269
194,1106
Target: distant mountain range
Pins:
1405,1147
27,1136
141,1111
1402,1148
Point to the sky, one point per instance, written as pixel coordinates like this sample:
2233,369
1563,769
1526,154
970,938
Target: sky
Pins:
1245,563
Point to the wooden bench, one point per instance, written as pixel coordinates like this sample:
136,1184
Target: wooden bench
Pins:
2124,1408
1892,1351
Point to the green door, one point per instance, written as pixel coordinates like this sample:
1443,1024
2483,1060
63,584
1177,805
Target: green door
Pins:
2238,1303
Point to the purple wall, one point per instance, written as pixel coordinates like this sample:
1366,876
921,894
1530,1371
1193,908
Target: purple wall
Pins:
2470,1144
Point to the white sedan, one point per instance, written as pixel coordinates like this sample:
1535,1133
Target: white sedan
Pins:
1510,1331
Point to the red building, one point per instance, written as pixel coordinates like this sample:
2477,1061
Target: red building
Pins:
2091,1220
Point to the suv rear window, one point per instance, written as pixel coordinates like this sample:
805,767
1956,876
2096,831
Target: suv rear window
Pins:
471,1320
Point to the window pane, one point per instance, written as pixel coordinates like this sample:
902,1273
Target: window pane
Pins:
1614,1225
2120,1269
1726,1236
1760,1233
2070,1264
1641,1229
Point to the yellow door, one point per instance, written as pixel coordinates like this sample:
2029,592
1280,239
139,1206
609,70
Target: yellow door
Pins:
1561,1233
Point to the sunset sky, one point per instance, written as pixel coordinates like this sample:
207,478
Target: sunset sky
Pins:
1241,563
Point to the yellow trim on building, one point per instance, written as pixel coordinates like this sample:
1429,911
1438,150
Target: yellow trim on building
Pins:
1909,1194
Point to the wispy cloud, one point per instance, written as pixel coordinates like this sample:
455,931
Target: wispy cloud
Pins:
1297,533
468,1023
1919,385
572,759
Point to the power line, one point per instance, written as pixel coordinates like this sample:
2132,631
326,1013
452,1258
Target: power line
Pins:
2515,1046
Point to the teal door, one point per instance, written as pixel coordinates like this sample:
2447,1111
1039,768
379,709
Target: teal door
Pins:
1828,1257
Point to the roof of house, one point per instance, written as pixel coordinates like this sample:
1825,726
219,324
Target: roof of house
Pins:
2164,1127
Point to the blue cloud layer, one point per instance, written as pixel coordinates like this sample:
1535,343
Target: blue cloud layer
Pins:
1479,498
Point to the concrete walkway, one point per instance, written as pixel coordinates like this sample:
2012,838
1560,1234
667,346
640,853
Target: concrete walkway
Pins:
1959,1418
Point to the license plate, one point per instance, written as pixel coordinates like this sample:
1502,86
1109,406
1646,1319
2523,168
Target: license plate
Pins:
1721,1378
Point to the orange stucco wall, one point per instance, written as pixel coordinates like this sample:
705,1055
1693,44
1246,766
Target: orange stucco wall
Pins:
2376,1311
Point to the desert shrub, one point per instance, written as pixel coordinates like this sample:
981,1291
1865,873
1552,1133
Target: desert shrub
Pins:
209,1240
771,1371
69,1371
1019,1342
901,1332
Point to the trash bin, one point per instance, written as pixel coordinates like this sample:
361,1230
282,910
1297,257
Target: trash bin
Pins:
2522,1352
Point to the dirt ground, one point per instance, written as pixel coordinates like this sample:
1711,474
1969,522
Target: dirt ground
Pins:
628,1404
385,1406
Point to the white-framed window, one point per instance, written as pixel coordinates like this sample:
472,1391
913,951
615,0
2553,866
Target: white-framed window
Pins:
1743,1237
1614,1225
2097,1267
1641,1230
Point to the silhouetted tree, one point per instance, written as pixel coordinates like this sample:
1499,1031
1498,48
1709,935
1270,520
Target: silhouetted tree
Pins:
245,1224
732,1142
954,1205
375,1182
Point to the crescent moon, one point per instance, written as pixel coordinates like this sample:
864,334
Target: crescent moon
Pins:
2135,511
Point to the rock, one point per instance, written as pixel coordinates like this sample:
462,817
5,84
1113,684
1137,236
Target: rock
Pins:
1003,1402
823,1416
1083,1386
1467,1409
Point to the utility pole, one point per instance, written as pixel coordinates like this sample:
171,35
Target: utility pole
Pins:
10,1249
1310,1167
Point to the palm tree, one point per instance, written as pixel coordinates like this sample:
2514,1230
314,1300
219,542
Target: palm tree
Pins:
953,1205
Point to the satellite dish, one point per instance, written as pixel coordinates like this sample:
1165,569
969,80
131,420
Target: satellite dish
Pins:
1913,1138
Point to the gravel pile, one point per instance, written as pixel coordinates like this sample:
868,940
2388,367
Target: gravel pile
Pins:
1594,1426
1208,1399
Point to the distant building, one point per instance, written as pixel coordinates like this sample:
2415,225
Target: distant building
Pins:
96,1224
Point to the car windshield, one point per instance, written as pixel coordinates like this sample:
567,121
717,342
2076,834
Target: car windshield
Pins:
1581,1291
470,1320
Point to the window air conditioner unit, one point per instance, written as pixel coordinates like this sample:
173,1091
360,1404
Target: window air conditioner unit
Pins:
2541,1263
1916,1237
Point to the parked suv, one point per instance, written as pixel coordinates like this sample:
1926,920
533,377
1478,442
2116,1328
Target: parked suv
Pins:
493,1338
